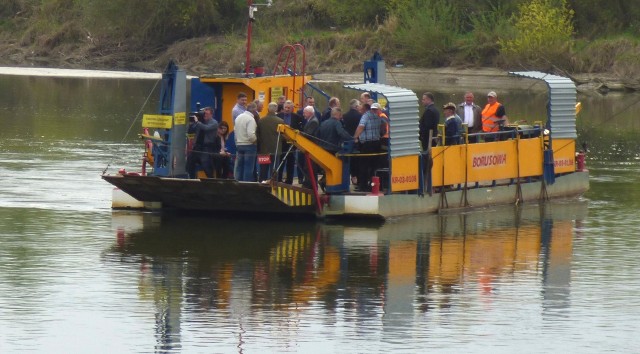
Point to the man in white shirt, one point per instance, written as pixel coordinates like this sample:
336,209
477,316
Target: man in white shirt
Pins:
471,114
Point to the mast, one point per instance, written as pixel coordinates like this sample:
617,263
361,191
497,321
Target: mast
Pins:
252,9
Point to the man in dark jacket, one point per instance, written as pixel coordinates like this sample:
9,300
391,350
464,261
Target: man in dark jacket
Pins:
205,144
310,130
333,103
331,134
429,120
268,140
350,120
296,122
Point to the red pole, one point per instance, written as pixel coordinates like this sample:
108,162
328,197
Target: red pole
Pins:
248,63
375,185
580,161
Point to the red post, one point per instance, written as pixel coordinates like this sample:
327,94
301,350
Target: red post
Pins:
580,163
144,165
375,185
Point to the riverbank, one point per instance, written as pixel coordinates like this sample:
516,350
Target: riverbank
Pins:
76,63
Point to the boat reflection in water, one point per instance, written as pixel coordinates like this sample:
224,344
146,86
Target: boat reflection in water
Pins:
228,274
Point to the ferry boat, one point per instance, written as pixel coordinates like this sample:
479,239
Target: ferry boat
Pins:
526,163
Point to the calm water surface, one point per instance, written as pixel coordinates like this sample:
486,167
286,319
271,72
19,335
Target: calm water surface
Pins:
77,277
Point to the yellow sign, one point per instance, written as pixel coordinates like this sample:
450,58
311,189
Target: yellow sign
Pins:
276,91
383,102
564,155
405,171
492,161
180,118
157,121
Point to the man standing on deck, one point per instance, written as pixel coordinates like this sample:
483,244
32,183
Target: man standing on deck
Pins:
368,134
280,102
246,150
429,120
256,115
493,116
333,103
268,140
350,120
331,135
240,107
310,131
452,125
205,144
310,101
471,114
294,121
259,106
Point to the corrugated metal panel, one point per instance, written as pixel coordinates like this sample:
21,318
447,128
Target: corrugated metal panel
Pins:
403,116
561,110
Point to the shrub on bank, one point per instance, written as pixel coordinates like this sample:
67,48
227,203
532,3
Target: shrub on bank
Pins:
542,36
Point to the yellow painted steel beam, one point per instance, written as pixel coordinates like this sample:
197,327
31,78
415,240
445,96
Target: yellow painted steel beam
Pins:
330,163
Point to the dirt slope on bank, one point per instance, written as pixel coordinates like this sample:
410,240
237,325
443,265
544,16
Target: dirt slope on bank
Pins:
87,56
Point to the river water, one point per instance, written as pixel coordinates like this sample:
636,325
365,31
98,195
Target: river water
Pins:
76,276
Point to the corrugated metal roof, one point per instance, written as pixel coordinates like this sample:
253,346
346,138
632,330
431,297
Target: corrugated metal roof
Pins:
561,109
403,117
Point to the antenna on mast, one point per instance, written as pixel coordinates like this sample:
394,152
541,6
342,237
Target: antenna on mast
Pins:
253,8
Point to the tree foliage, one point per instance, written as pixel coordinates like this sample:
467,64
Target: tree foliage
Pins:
531,33
159,21
427,36
543,33
340,12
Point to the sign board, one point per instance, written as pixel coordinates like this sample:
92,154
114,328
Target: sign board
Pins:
276,92
180,118
157,121
405,171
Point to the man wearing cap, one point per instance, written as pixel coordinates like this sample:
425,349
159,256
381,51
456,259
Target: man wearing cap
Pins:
368,134
471,114
452,125
384,128
429,120
493,116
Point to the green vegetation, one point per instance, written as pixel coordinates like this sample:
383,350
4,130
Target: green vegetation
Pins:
209,35
543,35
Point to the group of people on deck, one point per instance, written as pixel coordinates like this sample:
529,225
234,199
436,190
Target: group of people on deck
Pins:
481,122
252,150
249,152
